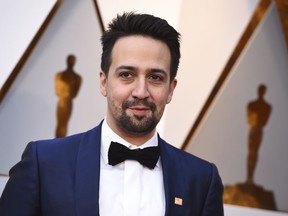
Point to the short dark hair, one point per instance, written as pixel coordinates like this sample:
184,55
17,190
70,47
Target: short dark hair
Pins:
131,23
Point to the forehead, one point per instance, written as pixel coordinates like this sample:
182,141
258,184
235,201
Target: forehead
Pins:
142,48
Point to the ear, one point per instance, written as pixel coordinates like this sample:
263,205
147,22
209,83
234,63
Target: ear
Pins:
172,86
103,83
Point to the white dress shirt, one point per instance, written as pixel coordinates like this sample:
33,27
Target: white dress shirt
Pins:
128,188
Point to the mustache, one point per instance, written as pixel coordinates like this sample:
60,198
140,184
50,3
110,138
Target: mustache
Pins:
136,102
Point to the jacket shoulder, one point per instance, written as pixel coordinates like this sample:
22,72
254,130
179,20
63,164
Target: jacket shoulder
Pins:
59,148
183,156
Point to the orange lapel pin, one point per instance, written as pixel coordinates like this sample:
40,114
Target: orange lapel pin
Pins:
178,201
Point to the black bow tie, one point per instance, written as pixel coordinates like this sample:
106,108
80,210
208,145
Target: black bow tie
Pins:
118,153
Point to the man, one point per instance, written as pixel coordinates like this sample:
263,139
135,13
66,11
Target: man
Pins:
78,175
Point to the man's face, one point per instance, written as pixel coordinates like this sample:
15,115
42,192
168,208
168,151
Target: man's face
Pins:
138,85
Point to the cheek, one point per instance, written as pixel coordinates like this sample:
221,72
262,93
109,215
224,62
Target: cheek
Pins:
117,97
160,99
114,105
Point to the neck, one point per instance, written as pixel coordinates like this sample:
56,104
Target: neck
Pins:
136,139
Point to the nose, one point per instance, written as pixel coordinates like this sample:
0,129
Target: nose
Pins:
140,90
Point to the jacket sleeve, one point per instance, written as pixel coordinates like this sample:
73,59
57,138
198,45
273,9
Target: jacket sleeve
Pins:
21,193
214,200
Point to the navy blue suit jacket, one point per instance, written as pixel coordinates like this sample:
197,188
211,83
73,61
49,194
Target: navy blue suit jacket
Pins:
60,177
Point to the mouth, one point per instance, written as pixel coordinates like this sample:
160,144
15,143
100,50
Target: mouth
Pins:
139,110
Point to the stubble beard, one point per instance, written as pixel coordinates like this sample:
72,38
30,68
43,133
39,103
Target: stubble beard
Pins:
138,124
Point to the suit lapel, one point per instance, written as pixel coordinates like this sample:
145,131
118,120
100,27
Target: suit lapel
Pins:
172,177
87,173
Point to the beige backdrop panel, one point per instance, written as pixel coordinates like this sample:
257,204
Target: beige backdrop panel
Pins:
28,112
210,31
222,136
19,18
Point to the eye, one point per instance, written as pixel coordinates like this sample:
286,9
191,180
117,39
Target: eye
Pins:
156,77
125,75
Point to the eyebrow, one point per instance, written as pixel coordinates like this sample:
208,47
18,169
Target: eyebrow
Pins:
126,67
153,70
158,70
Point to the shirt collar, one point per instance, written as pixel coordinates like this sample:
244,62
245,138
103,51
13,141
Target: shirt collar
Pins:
108,135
